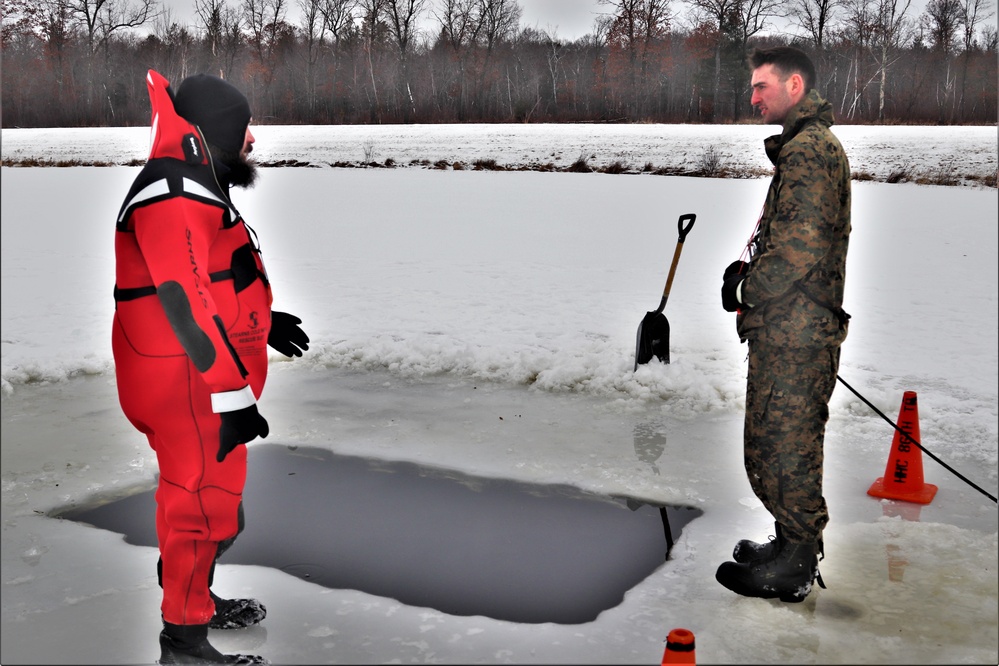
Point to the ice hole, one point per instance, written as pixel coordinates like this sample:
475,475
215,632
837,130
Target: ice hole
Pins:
431,537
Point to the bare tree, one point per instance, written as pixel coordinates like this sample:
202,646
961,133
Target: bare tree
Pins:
555,49
222,28
58,34
208,14
373,29
642,20
339,17
858,30
461,23
637,28
177,41
403,16
264,21
942,19
876,30
814,17
990,38
890,31
101,19
973,13
341,61
500,20
723,16
22,18
312,28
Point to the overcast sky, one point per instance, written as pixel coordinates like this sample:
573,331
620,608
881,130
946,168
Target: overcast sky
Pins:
568,19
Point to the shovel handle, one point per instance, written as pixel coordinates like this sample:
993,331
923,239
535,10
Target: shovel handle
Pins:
683,230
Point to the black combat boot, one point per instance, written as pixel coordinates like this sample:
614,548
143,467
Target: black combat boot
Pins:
188,644
788,575
749,551
236,613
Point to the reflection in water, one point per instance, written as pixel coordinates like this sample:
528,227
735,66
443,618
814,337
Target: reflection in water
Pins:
650,442
896,557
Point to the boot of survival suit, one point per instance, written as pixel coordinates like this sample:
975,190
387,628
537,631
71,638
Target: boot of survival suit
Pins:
236,613
188,644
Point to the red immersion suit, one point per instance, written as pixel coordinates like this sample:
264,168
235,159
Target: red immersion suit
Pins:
190,341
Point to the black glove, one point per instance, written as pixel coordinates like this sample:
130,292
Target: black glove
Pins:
239,427
731,279
286,335
735,268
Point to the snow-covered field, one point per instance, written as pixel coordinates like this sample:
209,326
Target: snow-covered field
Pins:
966,155
439,301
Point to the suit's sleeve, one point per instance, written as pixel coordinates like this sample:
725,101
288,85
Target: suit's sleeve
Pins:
174,237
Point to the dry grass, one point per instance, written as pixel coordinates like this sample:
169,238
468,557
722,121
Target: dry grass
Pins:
708,166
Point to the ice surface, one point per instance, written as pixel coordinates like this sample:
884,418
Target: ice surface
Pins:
440,302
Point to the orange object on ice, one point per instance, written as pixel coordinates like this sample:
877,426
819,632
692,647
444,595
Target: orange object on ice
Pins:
903,479
679,647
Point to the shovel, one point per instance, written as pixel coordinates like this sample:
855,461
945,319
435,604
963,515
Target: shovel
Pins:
653,331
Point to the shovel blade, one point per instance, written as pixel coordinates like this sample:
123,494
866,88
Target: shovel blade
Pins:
653,339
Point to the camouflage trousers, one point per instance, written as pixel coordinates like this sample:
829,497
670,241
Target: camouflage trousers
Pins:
787,406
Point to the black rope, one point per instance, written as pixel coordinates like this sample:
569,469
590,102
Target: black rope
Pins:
918,445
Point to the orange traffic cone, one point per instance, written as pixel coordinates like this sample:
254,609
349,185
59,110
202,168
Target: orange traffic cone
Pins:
903,479
679,647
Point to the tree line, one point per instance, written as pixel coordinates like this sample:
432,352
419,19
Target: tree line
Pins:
82,63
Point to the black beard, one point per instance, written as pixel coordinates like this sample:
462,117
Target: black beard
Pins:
242,171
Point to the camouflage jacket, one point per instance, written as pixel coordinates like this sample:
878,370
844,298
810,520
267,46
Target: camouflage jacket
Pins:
794,283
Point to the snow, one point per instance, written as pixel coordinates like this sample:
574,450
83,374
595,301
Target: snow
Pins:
876,151
440,300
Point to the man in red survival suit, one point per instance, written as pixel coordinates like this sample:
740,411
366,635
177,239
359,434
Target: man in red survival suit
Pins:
191,328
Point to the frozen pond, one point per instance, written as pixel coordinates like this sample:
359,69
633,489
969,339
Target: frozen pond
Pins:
438,302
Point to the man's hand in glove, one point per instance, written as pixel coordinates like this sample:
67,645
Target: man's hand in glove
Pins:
731,280
239,427
286,335
737,267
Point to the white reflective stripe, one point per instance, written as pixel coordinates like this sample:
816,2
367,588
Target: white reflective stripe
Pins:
155,189
230,401
197,188
161,187
152,132
738,293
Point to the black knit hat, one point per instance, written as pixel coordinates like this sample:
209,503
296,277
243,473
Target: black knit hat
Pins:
217,107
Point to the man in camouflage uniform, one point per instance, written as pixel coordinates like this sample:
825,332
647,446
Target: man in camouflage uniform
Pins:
789,295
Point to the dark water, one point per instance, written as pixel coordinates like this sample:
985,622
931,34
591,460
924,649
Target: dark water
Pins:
433,538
